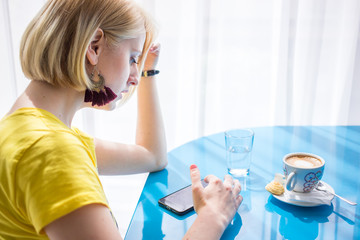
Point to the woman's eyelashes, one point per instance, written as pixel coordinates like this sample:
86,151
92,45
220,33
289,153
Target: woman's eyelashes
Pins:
133,60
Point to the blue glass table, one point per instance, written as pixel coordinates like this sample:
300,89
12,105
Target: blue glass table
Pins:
261,216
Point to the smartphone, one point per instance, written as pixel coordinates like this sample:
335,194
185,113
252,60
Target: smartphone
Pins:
179,202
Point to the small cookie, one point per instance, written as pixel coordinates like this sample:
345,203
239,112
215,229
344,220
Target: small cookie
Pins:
276,186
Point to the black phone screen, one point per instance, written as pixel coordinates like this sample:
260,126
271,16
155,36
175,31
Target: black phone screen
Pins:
179,202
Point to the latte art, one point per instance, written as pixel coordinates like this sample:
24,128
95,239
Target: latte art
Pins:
303,161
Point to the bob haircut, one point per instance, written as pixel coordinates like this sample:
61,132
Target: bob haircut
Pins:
53,47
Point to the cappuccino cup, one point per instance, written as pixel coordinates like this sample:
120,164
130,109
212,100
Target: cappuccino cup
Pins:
303,171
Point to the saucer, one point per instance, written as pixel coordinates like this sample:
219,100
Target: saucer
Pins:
282,197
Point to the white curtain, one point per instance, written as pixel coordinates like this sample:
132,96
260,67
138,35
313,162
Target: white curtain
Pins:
241,63
227,64
232,64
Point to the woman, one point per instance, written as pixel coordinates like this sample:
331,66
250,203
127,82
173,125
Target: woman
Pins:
82,53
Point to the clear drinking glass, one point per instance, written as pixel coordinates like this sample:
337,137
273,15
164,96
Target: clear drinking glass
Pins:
239,144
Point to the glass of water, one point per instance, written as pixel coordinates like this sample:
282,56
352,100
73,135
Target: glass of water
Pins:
239,144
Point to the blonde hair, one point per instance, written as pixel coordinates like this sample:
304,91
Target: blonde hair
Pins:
53,47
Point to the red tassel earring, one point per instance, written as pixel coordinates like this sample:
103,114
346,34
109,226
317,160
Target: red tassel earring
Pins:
100,95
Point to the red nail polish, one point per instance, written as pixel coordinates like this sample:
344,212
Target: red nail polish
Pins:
193,166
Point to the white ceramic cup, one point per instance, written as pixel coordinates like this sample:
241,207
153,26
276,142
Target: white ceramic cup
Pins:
303,171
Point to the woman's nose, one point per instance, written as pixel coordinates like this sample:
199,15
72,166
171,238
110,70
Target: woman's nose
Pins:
134,76
133,80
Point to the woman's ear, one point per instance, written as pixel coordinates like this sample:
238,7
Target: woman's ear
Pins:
95,47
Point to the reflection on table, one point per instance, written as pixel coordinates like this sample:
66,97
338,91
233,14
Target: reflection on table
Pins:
261,216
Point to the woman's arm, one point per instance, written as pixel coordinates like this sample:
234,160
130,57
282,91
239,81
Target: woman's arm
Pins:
92,221
149,152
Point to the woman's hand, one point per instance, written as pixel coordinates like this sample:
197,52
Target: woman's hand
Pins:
215,205
152,57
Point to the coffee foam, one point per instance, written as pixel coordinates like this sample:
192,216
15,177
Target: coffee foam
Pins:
303,161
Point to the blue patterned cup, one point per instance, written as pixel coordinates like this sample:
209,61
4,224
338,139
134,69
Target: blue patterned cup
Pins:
303,171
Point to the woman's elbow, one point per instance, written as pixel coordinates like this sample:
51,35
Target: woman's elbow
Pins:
161,163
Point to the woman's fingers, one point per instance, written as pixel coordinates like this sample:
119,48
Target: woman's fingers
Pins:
195,178
197,187
155,48
152,57
238,201
228,182
237,187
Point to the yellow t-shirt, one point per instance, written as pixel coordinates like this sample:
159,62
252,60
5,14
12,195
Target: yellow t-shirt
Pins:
46,171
